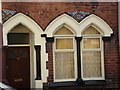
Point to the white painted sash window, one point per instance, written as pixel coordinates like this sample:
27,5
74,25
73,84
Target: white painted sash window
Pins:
92,54
64,65
91,29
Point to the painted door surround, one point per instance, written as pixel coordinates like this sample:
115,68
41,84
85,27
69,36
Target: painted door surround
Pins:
35,39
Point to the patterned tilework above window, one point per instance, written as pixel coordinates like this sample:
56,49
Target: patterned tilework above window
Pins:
78,15
6,14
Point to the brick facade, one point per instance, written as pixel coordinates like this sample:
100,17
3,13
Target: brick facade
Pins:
45,12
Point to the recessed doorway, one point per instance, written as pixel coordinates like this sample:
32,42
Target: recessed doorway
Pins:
20,57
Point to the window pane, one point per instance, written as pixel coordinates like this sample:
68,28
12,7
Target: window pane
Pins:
64,65
91,43
18,38
91,64
63,31
90,30
64,43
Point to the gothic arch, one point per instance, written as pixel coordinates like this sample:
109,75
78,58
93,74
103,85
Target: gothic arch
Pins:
97,22
63,20
24,20
38,40
78,28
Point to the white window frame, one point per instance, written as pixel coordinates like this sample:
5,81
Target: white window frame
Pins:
65,50
79,27
94,49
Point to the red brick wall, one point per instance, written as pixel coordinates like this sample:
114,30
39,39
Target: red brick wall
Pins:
50,61
44,13
111,61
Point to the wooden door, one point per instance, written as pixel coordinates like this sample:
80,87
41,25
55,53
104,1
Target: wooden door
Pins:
18,67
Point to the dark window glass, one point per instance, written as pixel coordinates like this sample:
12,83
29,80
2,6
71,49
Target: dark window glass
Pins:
18,38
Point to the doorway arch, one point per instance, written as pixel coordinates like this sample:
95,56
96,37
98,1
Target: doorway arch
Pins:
24,20
35,33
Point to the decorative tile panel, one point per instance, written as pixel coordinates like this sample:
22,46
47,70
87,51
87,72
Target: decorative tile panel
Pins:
78,15
6,14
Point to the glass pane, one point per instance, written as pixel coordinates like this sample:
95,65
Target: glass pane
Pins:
91,64
18,38
90,30
64,65
66,43
91,43
63,31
